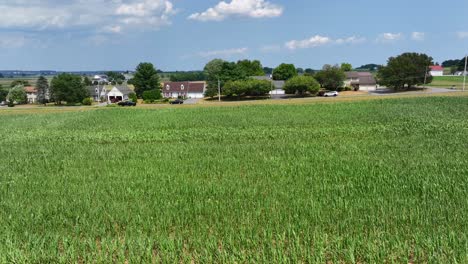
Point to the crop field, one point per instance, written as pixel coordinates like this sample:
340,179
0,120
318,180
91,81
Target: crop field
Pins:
380,181
447,82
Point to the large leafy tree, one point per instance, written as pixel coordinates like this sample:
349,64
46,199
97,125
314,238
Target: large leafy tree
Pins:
17,94
331,77
346,67
42,86
224,72
406,70
247,87
251,68
461,64
187,76
67,88
284,72
3,94
146,78
301,85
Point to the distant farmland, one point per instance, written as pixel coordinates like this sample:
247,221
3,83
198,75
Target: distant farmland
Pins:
381,181
447,82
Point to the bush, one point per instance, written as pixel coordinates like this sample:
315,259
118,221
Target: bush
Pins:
133,97
302,85
152,95
11,103
87,101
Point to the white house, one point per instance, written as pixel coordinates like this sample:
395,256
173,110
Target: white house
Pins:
31,94
363,81
277,86
437,70
195,90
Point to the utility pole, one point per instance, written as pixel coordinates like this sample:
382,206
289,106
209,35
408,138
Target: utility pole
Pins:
425,78
464,73
219,90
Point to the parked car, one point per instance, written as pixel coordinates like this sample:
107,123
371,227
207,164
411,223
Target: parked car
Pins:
178,101
127,103
329,94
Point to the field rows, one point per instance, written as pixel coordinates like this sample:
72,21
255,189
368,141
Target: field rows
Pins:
370,182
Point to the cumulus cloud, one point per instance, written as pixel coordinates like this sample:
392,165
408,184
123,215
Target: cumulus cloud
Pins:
240,8
223,53
113,16
317,41
389,37
420,36
462,34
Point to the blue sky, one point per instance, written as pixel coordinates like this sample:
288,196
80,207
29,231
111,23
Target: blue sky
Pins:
186,34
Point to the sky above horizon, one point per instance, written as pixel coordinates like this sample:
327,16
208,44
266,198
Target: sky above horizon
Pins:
80,35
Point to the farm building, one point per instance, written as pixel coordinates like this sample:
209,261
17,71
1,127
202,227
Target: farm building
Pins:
437,70
194,90
31,94
363,81
112,94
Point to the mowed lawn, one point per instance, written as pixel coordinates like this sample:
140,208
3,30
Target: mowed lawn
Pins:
355,182
447,82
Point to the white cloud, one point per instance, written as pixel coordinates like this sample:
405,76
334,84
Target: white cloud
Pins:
389,37
7,41
351,40
420,36
312,42
242,8
317,41
112,16
223,53
462,34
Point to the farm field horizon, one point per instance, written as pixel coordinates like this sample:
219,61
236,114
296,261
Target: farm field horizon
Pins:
372,181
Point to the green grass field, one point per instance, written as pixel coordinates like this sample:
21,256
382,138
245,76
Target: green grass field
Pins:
382,181
447,82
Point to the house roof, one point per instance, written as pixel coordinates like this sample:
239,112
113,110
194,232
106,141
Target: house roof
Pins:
355,74
436,68
191,87
365,78
277,84
30,89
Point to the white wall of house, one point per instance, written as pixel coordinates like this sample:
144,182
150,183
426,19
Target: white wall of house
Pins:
278,92
437,73
367,87
115,93
32,98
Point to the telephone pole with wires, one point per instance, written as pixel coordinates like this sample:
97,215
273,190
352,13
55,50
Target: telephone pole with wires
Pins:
464,73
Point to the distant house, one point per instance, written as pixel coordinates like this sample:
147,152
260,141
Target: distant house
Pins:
195,90
363,81
31,94
100,79
437,70
97,92
277,86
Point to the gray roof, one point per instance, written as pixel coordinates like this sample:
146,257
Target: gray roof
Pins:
124,89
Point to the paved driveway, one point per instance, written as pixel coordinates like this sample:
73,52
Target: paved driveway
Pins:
191,101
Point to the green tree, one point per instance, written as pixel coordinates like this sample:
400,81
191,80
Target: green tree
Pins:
87,81
302,85
68,88
42,86
267,70
284,72
133,97
405,71
251,68
461,64
3,94
212,72
18,95
331,77
300,71
146,78
346,67
152,95
187,76
249,87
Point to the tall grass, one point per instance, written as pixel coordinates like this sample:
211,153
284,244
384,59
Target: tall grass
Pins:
363,182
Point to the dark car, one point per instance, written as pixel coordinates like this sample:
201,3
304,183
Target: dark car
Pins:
178,101
127,103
